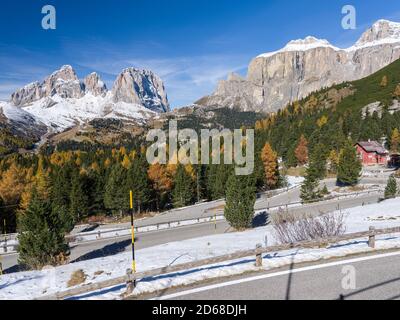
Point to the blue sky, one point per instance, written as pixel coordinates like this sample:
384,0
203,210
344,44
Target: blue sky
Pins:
189,44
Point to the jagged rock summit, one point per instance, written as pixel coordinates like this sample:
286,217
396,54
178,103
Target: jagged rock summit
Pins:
141,87
62,100
303,66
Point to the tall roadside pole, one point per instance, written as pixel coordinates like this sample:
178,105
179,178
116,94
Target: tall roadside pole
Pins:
133,234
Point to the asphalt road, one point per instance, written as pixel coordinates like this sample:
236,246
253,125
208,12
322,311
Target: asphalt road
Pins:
216,207
100,248
376,277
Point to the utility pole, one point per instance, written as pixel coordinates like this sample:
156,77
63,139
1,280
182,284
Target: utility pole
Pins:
133,235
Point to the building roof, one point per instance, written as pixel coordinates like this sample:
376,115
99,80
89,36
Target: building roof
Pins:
372,146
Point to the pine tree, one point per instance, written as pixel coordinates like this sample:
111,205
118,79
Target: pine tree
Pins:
301,151
310,188
318,161
116,195
97,180
41,234
349,168
240,201
391,188
271,166
222,173
139,183
79,200
183,191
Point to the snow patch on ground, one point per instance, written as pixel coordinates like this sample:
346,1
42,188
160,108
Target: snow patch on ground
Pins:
294,181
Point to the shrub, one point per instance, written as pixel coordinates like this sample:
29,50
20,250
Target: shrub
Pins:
291,229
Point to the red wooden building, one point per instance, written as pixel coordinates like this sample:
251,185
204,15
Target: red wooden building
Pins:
372,153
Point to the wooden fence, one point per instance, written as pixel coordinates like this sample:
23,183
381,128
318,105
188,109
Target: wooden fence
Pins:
130,278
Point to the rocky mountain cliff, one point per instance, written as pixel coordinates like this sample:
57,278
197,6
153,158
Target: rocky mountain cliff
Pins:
304,66
62,100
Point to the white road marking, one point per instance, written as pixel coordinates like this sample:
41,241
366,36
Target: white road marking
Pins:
276,274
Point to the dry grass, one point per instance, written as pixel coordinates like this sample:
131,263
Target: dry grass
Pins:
216,209
296,172
77,278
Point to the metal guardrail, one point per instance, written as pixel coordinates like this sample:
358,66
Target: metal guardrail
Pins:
130,277
79,238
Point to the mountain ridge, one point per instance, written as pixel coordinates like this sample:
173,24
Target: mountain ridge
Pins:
62,100
303,66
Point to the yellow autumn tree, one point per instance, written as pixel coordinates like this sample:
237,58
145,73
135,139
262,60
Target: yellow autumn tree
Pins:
126,163
160,179
95,167
384,81
395,141
41,180
396,92
12,184
271,167
107,163
322,121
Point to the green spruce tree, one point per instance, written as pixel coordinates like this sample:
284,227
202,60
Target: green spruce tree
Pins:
79,200
41,234
349,168
183,191
316,171
139,183
116,195
391,188
310,188
240,201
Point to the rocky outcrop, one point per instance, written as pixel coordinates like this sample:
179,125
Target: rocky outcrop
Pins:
30,93
132,86
303,66
94,85
63,82
140,87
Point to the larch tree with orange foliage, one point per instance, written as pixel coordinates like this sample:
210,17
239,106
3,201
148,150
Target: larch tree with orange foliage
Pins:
301,151
161,180
271,167
12,184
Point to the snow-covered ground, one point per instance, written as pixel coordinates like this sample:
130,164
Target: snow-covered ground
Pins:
294,181
65,113
28,285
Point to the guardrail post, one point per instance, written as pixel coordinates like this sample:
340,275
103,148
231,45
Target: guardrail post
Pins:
371,239
259,261
130,283
5,249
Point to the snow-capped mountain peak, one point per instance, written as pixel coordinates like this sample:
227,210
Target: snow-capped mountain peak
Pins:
62,100
380,32
305,44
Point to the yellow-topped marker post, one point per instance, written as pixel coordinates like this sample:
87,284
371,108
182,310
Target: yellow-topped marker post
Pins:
133,234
